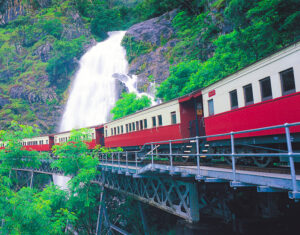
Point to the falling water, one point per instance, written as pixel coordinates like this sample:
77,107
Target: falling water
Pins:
94,90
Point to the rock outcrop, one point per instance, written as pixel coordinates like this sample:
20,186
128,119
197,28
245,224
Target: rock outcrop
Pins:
32,95
159,33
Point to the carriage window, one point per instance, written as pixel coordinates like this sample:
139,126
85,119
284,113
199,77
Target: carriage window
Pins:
173,118
145,123
122,129
265,88
111,131
248,94
129,127
137,125
106,133
153,121
233,99
115,131
118,130
133,126
287,81
141,125
93,136
211,110
126,128
46,141
159,120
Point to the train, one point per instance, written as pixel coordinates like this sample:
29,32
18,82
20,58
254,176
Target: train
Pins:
265,93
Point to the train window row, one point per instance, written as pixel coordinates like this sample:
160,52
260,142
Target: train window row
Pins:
130,127
30,143
140,125
287,81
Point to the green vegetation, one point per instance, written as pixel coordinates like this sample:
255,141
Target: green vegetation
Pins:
260,27
128,104
47,210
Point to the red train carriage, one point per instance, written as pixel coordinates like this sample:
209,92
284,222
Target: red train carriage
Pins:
40,143
170,120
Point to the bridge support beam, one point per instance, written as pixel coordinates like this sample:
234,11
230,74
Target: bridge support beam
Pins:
144,221
31,179
194,201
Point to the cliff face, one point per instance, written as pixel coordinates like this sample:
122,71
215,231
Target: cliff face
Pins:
40,45
147,45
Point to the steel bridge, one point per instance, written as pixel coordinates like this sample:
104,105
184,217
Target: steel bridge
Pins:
171,185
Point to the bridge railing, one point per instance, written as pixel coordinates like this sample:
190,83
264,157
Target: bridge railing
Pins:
138,156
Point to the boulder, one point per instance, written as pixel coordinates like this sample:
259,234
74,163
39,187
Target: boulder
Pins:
44,51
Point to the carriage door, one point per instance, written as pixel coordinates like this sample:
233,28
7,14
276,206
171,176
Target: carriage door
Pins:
197,124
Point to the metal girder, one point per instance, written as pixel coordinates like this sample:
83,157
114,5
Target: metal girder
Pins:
176,197
266,189
102,213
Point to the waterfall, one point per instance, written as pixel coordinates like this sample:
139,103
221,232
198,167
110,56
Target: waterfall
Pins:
93,93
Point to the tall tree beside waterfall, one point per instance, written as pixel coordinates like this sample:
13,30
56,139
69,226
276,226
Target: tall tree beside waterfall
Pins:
130,103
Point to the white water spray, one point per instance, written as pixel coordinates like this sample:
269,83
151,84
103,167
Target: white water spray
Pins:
94,91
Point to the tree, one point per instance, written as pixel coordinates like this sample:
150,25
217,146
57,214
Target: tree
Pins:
75,159
128,104
28,211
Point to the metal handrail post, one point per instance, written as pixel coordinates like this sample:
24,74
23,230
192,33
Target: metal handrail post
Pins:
119,162
152,160
112,158
106,162
232,156
291,159
126,162
136,168
198,156
171,158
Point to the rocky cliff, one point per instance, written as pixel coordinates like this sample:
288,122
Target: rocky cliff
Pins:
147,45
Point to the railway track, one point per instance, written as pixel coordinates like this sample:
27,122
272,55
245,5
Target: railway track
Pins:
278,169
